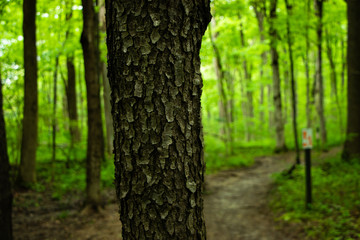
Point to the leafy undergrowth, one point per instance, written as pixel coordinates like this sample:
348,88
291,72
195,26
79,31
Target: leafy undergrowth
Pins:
335,213
216,158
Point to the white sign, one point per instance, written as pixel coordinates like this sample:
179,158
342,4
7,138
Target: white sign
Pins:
307,138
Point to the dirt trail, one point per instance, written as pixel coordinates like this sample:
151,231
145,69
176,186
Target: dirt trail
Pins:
235,208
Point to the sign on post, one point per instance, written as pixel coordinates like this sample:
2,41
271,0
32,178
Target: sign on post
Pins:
307,143
307,138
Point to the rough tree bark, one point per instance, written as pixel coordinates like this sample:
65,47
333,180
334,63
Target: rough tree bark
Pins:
279,122
154,72
292,81
5,187
352,143
319,76
27,173
95,144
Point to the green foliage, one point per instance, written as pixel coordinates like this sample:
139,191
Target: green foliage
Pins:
335,212
244,155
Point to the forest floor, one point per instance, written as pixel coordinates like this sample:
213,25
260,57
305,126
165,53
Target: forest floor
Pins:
236,207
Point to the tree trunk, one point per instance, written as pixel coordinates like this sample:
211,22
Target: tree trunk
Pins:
154,72
71,86
5,187
106,89
224,110
249,94
279,122
319,77
333,78
107,107
260,12
95,144
292,82
352,143
307,68
54,120
27,173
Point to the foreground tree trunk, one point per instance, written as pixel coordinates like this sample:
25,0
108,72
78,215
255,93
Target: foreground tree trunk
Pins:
154,72
279,122
5,187
352,143
27,173
95,145
319,76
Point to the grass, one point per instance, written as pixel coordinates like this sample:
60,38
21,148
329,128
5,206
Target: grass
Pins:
335,212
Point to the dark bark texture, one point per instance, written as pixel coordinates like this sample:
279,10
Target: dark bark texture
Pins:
95,145
27,172
154,73
5,187
352,144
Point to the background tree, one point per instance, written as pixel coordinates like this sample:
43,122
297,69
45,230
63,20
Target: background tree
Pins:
5,187
154,72
279,121
95,142
352,143
29,142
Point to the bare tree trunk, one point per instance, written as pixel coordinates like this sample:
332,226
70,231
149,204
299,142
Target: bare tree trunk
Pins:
249,94
5,186
95,145
260,12
319,77
224,110
333,79
279,122
292,82
307,69
27,174
352,143
159,166
106,89
54,120
71,85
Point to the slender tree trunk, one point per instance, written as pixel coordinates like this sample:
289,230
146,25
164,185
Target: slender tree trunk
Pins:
279,122
307,68
333,78
71,85
343,67
27,174
260,12
54,120
106,89
159,166
224,111
107,107
95,144
319,77
5,187
352,143
249,94
292,82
